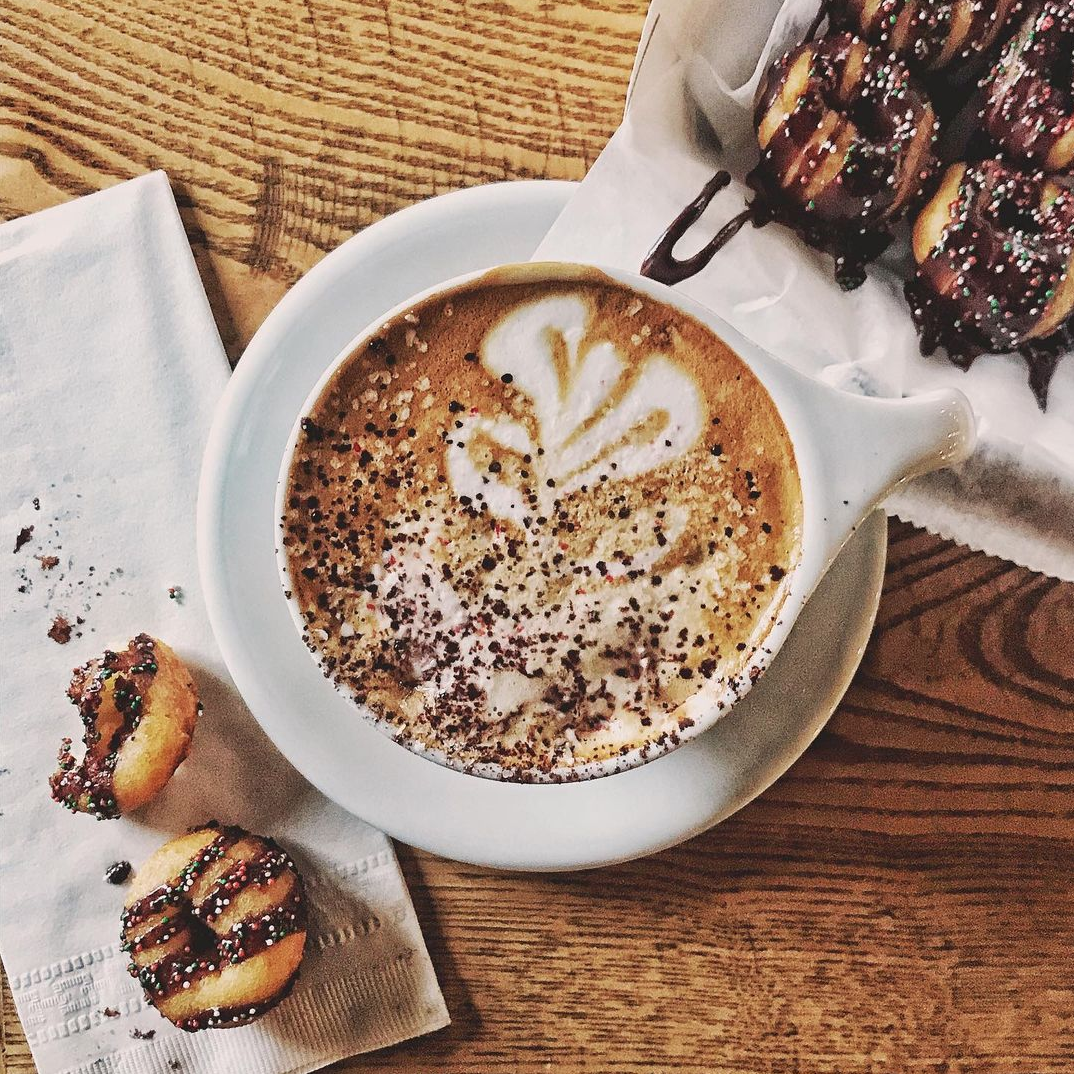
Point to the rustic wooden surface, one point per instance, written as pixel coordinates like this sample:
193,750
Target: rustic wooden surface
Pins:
900,901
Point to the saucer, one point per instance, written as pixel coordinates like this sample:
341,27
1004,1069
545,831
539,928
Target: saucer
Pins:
504,825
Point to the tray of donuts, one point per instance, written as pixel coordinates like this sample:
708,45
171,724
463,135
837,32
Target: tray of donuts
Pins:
948,124
959,116
890,175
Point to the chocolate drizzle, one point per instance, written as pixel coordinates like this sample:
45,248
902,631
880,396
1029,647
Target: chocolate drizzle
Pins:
173,892
89,787
238,1015
662,264
270,865
818,20
181,919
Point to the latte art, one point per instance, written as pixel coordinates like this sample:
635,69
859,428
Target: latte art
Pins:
596,418
534,525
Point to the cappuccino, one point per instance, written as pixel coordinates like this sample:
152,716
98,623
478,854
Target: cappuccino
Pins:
534,524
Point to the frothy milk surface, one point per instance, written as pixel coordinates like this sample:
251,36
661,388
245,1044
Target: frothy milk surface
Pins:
538,524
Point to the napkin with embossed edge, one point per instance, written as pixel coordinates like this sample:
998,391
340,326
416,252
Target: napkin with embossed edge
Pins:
110,367
1013,498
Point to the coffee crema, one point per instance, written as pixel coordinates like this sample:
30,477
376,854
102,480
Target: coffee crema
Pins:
534,524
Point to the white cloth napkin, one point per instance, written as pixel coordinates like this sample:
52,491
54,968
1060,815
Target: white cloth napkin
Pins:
691,112
110,366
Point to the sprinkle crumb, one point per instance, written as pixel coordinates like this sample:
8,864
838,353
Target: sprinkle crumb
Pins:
118,872
175,593
48,562
143,1034
110,1012
23,537
60,631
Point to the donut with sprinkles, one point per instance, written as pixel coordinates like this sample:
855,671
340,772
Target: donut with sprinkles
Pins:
929,35
139,707
215,927
994,253
1029,112
846,136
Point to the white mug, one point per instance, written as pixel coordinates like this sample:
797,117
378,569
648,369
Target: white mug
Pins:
851,452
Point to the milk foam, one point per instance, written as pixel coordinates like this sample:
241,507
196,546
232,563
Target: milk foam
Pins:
587,402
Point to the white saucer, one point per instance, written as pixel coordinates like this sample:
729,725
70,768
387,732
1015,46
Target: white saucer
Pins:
321,733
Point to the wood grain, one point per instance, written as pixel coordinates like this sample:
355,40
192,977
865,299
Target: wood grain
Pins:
901,900
287,126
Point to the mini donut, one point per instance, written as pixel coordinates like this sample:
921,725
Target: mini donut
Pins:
1029,112
995,262
215,926
139,708
846,138
928,35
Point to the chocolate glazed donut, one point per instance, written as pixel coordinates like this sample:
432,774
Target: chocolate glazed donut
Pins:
215,927
139,707
1029,111
928,35
846,138
995,266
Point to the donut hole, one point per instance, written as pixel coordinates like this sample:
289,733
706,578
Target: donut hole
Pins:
1012,217
841,86
1017,211
855,82
867,168
1061,71
200,938
873,121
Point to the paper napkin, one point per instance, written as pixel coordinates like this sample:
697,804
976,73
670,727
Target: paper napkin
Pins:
110,366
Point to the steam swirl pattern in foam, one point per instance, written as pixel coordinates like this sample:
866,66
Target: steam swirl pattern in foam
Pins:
535,525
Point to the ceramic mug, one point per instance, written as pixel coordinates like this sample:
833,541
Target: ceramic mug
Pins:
851,451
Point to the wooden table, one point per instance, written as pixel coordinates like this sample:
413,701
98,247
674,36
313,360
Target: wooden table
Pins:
901,900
